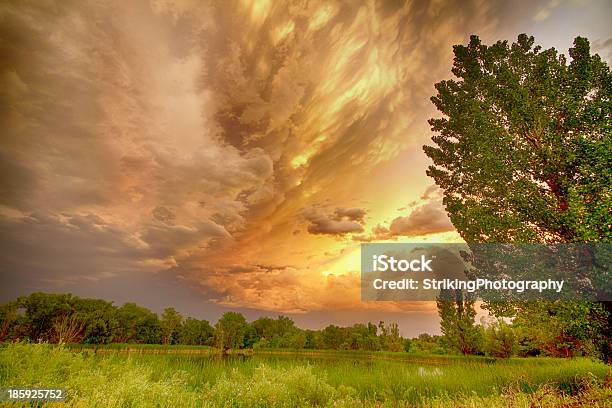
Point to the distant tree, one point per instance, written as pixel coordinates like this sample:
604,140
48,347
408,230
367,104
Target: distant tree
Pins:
137,325
364,337
280,332
42,310
99,318
250,336
390,337
426,343
284,325
313,339
286,334
407,345
333,337
265,328
196,332
67,328
98,330
457,315
230,331
170,323
297,339
499,340
8,313
56,317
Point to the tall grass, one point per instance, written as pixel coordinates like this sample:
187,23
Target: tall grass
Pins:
173,380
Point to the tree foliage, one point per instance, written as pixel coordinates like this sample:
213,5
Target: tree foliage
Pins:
170,323
523,153
196,332
499,340
230,331
524,149
94,321
561,329
457,315
66,318
137,325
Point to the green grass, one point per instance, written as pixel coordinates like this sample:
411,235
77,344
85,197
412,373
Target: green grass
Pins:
321,378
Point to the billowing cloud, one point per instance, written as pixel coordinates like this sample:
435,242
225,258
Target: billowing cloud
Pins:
432,192
70,248
64,248
342,221
188,137
429,218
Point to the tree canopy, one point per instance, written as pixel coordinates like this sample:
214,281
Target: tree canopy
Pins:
523,151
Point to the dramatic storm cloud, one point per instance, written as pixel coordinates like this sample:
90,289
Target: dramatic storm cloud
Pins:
237,149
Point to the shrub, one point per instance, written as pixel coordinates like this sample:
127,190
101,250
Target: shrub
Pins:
499,340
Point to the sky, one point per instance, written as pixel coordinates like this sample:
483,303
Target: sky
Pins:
216,156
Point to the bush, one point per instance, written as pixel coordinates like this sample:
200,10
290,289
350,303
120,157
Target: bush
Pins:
499,340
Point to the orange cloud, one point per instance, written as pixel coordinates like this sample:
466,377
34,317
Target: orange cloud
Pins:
342,221
162,137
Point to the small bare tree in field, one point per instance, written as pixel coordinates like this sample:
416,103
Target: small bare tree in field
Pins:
67,329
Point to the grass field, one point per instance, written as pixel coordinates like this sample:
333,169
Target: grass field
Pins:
281,379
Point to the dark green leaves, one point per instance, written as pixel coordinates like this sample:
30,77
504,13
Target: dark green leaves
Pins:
522,150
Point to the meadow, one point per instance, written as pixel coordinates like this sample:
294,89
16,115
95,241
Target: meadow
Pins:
154,377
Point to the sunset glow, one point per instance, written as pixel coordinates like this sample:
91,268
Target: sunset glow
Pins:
230,154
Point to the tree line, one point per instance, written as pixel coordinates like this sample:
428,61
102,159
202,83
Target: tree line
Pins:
64,318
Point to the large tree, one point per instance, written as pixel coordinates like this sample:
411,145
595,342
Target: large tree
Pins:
523,151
